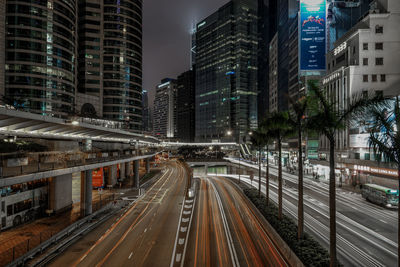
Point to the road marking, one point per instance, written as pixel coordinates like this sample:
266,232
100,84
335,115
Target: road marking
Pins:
187,212
145,230
178,257
189,201
188,206
130,256
383,221
181,241
183,229
185,220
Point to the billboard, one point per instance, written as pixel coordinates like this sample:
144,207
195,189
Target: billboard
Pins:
312,30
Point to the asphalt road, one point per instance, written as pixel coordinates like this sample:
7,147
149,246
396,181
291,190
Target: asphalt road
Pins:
366,233
143,236
225,231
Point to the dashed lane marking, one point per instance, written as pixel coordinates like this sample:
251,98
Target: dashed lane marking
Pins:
181,241
185,220
130,256
178,257
183,229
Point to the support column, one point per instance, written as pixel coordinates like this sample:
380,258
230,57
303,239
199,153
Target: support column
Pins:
113,175
86,192
206,169
147,165
60,193
129,173
122,171
136,174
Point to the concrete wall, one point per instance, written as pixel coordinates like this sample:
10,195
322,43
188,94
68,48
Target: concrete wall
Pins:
61,193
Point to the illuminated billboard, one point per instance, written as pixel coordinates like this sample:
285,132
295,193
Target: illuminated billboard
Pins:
312,30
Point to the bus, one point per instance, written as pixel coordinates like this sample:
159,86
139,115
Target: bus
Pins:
22,204
380,195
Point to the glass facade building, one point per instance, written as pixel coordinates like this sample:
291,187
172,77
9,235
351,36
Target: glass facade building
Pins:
122,47
40,56
226,72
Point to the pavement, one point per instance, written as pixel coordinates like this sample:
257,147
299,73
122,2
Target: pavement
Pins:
143,236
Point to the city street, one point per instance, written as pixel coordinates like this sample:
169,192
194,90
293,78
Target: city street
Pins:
226,231
143,236
366,232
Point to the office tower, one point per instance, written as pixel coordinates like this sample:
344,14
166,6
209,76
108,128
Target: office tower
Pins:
110,67
41,47
287,11
273,74
226,72
164,124
186,106
267,27
147,116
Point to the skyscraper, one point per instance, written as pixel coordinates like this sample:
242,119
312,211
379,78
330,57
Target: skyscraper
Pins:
2,48
41,47
267,27
147,116
186,106
164,117
111,58
226,71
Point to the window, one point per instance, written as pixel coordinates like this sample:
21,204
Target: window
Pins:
378,29
9,210
379,61
357,155
383,77
365,61
374,78
378,46
365,78
365,46
367,156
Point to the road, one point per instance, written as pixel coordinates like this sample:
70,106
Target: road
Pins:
366,232
143,236
225,231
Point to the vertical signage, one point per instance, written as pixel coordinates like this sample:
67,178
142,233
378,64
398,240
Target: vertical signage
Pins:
312,31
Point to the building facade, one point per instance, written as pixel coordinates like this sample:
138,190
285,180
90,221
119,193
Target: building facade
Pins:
164,117
364,61
273,74
2,47
147,114
41,54
186,106
226,72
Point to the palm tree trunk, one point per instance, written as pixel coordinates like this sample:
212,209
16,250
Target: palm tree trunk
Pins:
259,172
398,219
267,179
300,209
280,179
332,203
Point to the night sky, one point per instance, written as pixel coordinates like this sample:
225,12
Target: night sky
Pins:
166,37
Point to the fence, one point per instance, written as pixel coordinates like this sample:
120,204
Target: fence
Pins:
11,254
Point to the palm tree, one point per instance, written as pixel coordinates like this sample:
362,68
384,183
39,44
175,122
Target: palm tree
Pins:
327,117
279,127
385,141
258,141
268,137
297,120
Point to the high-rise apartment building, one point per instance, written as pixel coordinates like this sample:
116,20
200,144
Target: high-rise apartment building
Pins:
110,66
186,106
226,72
164,117
273,75
41,54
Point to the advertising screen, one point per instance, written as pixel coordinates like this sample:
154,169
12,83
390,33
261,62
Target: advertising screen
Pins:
312,30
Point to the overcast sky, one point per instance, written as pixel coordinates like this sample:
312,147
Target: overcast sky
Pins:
166,37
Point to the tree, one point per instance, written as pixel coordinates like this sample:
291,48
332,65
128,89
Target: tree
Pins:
259,140
327,117
297,120
278,126
384,139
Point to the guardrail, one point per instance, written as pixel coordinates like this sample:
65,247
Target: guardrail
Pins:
54,239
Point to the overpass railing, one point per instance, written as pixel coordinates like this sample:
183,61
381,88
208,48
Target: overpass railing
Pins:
16,164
